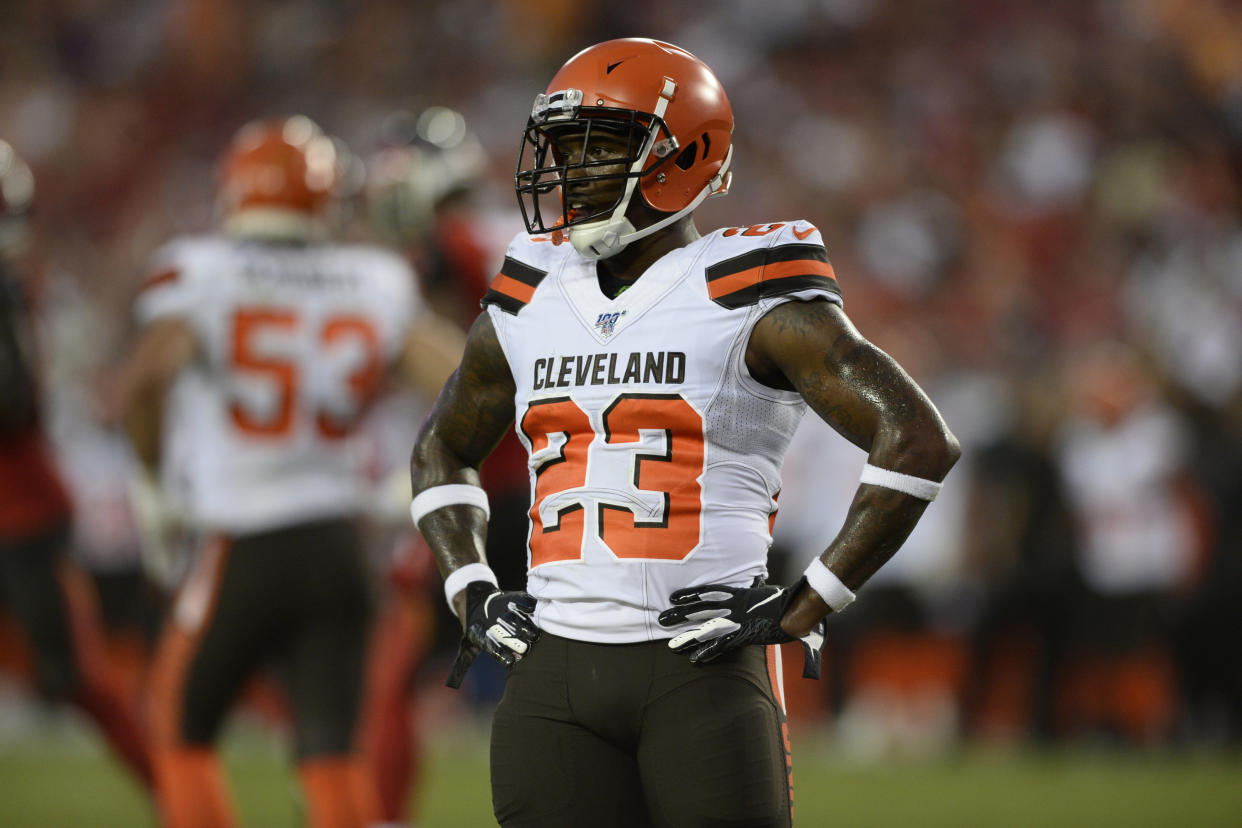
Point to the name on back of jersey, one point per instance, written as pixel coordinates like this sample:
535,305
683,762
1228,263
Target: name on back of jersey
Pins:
309,274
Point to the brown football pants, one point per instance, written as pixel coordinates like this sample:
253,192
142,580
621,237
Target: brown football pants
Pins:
635,735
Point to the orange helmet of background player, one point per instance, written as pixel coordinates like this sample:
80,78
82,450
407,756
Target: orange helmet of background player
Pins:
659,92
278,178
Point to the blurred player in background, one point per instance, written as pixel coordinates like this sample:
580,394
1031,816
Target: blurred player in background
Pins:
41,586
263,346
423,195
656,377
427,195
1123,456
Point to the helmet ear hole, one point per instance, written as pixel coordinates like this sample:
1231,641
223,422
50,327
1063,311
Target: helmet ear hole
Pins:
688,156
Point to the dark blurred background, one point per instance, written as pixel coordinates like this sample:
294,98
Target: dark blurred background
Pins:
1035,206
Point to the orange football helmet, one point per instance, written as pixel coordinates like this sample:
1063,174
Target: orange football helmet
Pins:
278,178
670,110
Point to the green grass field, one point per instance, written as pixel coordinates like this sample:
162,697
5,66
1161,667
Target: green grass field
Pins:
63,778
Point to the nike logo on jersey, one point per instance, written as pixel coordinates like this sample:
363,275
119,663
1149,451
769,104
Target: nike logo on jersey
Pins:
802,234
664,367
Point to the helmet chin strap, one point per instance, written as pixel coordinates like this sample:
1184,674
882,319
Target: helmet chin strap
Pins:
609,236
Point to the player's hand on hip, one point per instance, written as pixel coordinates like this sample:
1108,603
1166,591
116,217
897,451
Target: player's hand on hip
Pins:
726,618
497,623
500,623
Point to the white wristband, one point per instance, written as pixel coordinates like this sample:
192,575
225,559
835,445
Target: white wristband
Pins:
824,581
450,494
918,487
459,578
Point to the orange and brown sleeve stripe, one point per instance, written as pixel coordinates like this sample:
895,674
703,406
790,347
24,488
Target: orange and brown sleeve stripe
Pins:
514,286
772,271
162,277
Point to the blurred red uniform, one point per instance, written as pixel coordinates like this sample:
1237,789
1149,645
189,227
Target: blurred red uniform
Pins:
52,599
400,642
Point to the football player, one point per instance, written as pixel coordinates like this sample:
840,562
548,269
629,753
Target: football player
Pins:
655,376
263,347
49,595
425,193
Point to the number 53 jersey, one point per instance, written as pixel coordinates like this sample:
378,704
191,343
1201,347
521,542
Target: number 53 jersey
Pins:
654,456
294,342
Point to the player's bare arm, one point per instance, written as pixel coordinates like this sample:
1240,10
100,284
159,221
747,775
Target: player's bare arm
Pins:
470,416
813,348
162,350
431,351
472,413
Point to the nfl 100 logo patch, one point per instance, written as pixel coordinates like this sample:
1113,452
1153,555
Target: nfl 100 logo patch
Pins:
606,324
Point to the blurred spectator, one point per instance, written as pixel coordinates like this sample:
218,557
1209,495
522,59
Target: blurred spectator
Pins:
1210,620
1020,557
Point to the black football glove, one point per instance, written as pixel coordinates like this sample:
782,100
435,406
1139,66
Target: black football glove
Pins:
731,617
498,623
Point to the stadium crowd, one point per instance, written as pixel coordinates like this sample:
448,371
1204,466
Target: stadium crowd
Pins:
1036,207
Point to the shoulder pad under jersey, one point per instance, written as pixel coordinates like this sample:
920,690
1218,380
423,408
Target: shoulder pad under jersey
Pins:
184,254
764,260
177,276
527,261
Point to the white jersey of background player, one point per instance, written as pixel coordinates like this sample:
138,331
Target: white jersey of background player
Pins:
292,342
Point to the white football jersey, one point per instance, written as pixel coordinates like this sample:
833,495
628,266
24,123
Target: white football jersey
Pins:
655,457
294,343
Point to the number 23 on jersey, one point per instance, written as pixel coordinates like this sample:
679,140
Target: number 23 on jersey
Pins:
666,474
